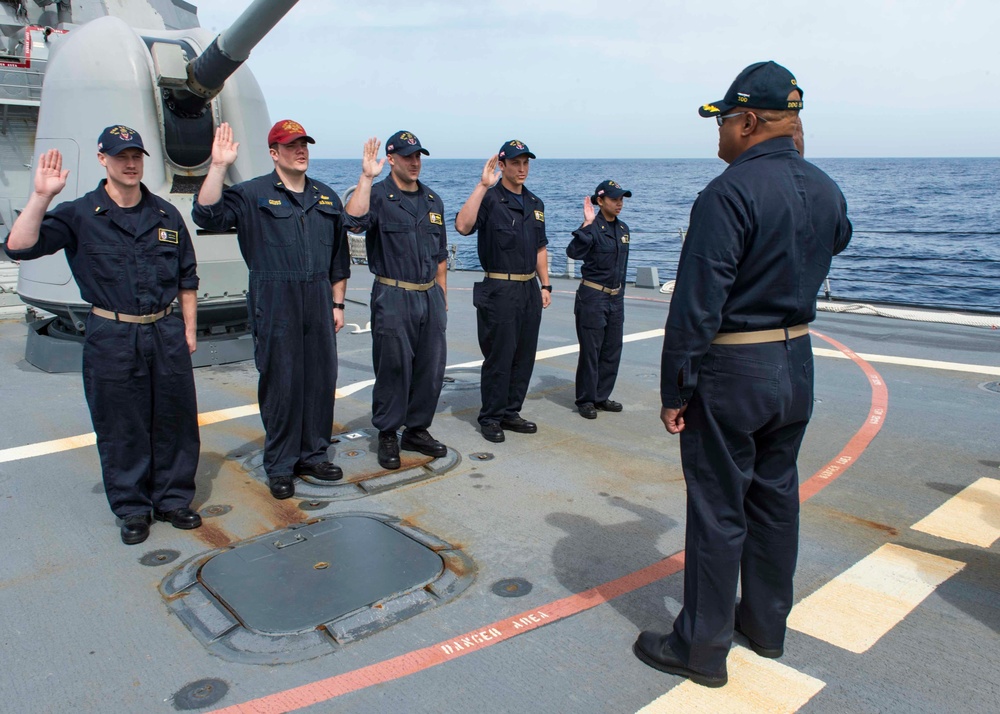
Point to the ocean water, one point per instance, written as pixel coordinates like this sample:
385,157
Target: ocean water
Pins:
926,231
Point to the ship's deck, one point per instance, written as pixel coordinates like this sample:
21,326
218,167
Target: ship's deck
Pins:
891,618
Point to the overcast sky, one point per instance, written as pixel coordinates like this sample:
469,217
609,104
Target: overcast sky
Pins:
601,79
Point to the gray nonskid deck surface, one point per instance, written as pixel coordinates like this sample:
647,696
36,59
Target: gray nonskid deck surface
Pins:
581,503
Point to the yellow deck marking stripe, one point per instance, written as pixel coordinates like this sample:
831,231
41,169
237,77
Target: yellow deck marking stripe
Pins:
911,362
756,686
855,609
972,516
75,442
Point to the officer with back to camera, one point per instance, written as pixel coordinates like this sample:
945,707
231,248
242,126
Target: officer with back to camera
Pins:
602,243
131,256
293,236
408,253
509,302
737,374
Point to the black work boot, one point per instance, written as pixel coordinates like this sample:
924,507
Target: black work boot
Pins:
388,450
422,441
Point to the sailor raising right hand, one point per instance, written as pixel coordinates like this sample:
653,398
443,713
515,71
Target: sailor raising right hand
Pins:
292,232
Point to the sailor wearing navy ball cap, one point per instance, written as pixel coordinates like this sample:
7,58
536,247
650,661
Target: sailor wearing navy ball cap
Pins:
602,243
131,256
407,250
512,244
736,379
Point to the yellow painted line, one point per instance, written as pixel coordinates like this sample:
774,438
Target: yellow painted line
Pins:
971,516
911,362
756,686
855,609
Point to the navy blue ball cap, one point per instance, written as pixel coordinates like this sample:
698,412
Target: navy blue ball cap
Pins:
513,148
119,137
762,85
609,189
404,143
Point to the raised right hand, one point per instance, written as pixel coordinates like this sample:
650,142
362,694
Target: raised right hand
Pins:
224,149
50,178
490,172
588,211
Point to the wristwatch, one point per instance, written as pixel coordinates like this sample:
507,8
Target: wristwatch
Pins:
339,306
547,287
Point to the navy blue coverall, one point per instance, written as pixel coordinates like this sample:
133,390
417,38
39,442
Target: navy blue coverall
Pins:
509,312
406,242
759,245
600,316
137,378
295,248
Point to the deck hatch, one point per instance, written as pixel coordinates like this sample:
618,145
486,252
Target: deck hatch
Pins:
300,579
312,588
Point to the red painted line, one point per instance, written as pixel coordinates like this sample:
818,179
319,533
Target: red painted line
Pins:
862,438
418,660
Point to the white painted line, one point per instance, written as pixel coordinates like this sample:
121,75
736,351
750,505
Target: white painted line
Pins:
855,609
756,686
206,418
972,516
47,447
75,442
910,362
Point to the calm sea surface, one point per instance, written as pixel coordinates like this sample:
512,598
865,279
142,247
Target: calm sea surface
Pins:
926,231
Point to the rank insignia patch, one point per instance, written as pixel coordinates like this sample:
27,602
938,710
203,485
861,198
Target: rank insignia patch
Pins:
436,219
166,236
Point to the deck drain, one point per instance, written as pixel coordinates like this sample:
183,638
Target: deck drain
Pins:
351,454
511,587
160,557
313,505
482,456
200,694
991,387
215,510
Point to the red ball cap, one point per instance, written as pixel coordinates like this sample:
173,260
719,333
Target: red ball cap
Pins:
287,131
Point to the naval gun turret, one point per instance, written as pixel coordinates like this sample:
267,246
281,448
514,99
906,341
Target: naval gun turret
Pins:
174,84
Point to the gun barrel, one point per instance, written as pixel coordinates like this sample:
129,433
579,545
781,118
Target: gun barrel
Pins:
210,70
